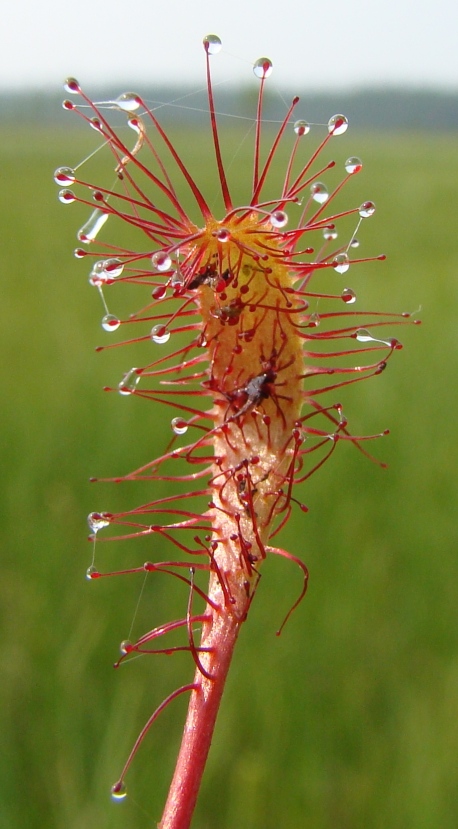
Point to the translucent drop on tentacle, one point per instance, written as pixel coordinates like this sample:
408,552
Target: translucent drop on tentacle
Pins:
363,336
92,572
79,253
161,261
125,647
64,175
179,426
72,85
348,296
367,209
262,68
353,165
96,124
212,44
66,196
110,322
354,243
136,124
319,192
341,263
279,218
129,382
223,235
128,101
98,275
97,521
177,280
337,125
301,128
314,319
159,292
88,232
119,792
97,280
330,233
113,267
159,334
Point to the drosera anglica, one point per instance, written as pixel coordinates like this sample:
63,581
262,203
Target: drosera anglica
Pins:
265,343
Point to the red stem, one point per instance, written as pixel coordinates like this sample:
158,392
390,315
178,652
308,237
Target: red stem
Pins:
220,635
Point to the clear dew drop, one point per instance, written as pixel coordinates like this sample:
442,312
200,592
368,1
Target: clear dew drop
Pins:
314,319
161,261
262,68
79,253
129,382
353,165
301,128
91,572
212,44
113,267
97,280
88,232
66,196
354,243
119,792
110,322
97,521
177,279
64,175
98,275
159,334
223,235
319,192
128,101
72,85
159,292
330,233
96,124
348,296
341,263
179,426
367,209
125,646
337,125
279,218
363,336
136,124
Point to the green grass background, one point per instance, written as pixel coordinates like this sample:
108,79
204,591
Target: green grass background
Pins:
350,719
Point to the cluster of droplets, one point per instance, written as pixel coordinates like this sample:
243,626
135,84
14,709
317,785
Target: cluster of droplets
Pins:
105,271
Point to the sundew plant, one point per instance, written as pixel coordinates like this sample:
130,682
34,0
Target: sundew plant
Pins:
246,347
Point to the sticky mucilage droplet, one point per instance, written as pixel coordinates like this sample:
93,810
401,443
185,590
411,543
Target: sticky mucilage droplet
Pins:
301,128
319,192
161,261
337,125
159,334
212,44
179,426
97,521
341,263
262,68
64,176
110,322
88,232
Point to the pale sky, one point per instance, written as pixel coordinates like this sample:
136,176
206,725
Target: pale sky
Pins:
320,44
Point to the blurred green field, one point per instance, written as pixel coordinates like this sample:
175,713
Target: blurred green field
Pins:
350,719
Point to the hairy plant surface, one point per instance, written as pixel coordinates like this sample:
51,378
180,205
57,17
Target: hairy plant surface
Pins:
252,387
